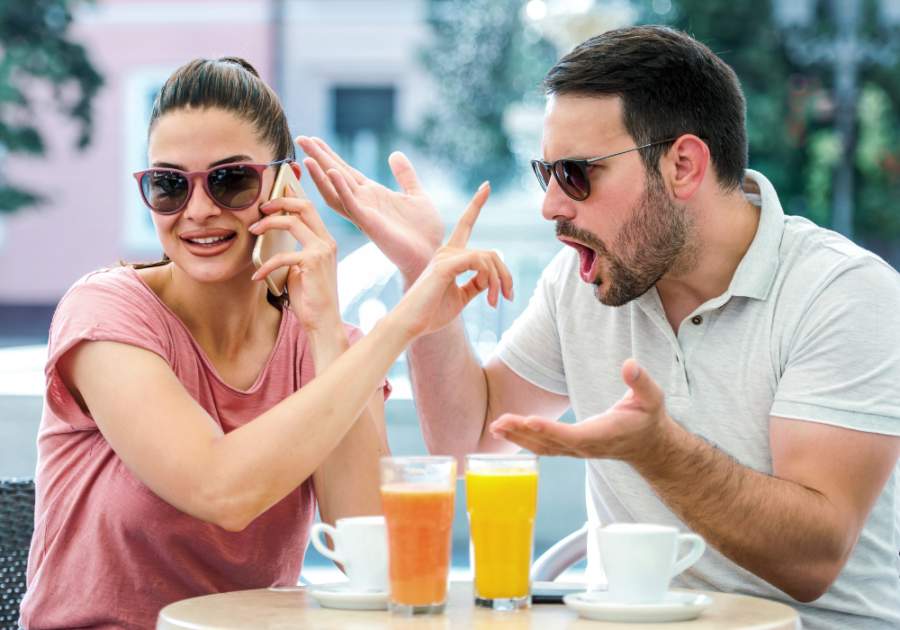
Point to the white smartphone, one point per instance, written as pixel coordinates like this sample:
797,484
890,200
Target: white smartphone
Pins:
278,241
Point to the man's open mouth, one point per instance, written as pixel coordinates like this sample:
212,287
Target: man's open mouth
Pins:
587,258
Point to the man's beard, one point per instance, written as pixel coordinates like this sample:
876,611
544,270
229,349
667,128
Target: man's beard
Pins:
652,244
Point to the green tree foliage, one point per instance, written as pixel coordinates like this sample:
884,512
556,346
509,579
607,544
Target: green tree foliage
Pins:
483,59
35,46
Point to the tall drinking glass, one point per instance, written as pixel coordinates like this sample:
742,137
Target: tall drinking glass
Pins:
501,496
417,495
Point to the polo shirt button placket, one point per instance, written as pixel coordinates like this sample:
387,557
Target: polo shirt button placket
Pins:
696,320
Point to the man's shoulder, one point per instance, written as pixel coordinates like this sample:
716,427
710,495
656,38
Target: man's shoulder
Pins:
814,257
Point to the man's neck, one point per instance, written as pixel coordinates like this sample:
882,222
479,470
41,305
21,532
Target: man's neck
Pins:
725,225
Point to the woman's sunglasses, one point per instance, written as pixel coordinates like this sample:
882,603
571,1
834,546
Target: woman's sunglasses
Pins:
230,186
572,176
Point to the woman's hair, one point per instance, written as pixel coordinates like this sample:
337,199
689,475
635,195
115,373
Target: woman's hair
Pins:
232,85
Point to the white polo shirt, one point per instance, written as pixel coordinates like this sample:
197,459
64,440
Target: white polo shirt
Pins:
809,329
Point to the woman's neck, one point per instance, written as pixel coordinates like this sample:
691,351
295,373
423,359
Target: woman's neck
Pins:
222,317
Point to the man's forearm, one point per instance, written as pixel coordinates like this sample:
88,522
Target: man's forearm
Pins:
450,390
785,533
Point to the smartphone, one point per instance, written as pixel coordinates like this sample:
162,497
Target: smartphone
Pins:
278,241
553,592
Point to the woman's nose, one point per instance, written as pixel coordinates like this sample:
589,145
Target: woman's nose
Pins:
200,207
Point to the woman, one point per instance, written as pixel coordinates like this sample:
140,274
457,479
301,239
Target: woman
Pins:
191,423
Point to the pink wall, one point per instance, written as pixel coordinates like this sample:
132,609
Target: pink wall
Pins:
48,248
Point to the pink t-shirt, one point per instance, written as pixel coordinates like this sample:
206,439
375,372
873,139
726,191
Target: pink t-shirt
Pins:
109,553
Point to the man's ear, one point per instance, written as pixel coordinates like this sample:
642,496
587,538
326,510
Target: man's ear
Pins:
684,166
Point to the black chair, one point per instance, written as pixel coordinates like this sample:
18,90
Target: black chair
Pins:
16,527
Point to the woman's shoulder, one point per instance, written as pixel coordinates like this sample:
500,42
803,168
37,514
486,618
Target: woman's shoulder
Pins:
113,299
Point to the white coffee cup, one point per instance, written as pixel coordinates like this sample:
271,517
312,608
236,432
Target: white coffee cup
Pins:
641,559
360,545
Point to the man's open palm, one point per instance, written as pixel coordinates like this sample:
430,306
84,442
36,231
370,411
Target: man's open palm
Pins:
406,225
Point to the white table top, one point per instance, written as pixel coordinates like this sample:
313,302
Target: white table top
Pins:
275,610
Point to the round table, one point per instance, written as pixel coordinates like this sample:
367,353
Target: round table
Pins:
271,610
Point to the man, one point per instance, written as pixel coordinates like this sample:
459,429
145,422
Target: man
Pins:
759,353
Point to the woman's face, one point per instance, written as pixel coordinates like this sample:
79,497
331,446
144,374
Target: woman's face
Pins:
197,141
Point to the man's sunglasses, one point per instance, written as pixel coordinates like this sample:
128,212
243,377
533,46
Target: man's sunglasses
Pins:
572,176
230,186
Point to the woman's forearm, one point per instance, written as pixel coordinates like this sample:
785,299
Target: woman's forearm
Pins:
316,418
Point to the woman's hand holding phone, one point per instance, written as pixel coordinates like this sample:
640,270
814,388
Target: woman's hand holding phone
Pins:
312,275
435,299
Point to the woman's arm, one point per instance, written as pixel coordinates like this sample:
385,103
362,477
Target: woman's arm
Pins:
174,447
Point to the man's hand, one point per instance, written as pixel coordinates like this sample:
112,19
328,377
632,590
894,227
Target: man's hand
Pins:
406,226
632,430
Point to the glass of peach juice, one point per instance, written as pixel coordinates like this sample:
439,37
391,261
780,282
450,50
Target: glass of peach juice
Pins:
417,498
501,498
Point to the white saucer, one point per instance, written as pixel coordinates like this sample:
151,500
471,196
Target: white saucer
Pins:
677,606
339,595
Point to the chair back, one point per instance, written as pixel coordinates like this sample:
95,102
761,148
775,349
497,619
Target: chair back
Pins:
16,527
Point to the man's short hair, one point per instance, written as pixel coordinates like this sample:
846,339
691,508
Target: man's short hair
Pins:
670,85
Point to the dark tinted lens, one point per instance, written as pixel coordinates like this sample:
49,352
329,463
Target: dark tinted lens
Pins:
542,173
165,191
572,177
234,187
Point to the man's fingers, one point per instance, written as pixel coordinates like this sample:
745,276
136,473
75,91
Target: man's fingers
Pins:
642,384
356,176
356,213
324,185
463,229
405,174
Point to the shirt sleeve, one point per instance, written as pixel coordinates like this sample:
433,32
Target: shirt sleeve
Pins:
101,307
531,346
843,362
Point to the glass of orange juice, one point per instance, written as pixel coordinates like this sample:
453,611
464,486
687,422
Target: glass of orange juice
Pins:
501,497
417,496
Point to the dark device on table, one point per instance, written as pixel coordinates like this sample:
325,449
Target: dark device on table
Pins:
553,592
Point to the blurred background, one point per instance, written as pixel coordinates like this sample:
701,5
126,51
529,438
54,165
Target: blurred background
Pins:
451,83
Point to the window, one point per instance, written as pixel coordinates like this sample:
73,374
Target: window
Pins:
364,126
139,91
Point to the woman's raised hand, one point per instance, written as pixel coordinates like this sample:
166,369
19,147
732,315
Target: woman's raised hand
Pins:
406,225
436,299
312,277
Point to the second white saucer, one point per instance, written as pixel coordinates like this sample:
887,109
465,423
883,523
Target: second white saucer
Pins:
677,606
339,595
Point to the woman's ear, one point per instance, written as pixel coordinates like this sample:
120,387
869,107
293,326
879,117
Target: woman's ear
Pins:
295,166
685,166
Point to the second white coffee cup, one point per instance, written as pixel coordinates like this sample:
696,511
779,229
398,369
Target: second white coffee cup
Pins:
360,545
641,559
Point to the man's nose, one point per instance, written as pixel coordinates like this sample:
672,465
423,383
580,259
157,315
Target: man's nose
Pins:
557,204
200,207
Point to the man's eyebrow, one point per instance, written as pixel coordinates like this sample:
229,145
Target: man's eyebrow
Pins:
229,160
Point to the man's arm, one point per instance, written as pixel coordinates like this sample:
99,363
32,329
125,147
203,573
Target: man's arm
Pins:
456,398
795,529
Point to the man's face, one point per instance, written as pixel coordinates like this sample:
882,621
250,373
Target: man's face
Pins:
629,232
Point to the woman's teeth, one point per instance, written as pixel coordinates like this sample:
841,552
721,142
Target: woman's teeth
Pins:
211,240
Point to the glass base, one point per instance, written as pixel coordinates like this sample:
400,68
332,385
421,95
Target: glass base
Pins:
504,603
406,610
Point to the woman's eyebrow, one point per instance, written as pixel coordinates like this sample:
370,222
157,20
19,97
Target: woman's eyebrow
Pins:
232,160
229,160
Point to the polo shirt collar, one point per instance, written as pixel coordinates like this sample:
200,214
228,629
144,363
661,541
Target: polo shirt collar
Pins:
756,271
